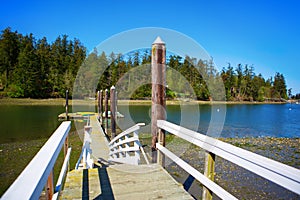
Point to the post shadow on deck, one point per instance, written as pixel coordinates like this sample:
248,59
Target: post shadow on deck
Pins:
85,184
106,189
188,182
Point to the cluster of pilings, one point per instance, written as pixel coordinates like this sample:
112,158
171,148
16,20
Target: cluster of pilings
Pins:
103,110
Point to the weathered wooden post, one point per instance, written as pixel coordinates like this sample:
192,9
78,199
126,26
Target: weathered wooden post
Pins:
209,172
158,109
101,106
50,186
106,110
161,141
66,146
113,111
67,104
66,143
98,104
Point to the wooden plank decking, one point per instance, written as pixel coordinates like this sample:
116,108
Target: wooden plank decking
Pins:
123,182
99,143
119,181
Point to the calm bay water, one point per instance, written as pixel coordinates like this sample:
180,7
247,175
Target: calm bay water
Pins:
273,120
19,123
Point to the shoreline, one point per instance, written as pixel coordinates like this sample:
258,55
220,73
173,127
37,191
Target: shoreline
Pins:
61,101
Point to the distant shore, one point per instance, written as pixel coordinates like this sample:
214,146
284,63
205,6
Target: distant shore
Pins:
61,101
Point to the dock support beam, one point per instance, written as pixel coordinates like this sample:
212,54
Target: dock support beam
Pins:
158,70
209,172
113,111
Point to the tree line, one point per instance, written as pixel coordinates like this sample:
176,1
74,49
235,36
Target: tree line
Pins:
186,78
37,69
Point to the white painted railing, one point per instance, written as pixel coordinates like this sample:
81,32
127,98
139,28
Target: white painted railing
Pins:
126,147
62,175
85,160
33,179
281,174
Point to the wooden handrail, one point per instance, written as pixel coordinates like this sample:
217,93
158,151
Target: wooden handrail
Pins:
281,174
32,180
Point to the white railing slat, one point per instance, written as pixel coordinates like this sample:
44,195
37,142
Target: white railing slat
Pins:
126,149
128,140
279,173
127,131
121,154
273,165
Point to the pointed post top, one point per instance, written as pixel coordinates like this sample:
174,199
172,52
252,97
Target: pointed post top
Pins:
158,40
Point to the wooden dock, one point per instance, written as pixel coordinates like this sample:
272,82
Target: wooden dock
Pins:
119,181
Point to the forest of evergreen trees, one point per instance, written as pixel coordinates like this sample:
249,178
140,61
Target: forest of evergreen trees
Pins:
38,69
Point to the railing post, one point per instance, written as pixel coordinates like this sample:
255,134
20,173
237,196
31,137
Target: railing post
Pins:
209,172
113,111
106,111
158,70
66,146
161,141
49,186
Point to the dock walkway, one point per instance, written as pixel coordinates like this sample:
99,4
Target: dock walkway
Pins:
99,143
119,181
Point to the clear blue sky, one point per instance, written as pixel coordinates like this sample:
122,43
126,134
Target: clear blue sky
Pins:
265,33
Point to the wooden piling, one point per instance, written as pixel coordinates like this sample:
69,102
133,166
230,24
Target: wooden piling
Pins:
209,172
67,105
158,70
113,111
106,110
98,104
101,106
66,143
